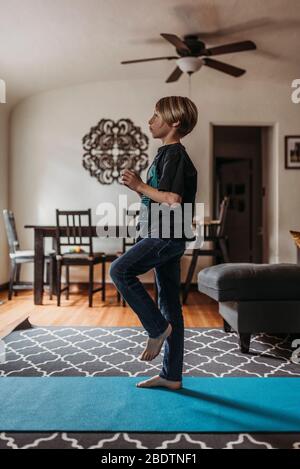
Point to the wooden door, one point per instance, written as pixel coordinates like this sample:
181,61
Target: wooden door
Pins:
235,181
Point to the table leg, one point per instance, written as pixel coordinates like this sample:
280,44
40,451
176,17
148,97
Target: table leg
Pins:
38,267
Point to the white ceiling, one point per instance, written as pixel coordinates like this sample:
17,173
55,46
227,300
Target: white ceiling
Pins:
46,44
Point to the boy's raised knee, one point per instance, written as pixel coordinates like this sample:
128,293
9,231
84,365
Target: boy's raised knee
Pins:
114,270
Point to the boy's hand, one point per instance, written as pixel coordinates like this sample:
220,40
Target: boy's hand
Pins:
132,180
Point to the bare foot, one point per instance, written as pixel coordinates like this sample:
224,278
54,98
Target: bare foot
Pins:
153,346
157,380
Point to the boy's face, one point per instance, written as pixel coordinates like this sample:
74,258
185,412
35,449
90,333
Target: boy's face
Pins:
159,128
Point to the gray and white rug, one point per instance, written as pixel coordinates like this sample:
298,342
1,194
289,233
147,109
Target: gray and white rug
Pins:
113,351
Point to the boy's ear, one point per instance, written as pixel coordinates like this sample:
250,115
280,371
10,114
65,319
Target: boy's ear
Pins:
176,124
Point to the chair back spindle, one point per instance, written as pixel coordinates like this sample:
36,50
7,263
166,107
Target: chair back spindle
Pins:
222,216
11,231
74,229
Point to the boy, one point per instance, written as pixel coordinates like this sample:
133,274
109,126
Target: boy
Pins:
171,181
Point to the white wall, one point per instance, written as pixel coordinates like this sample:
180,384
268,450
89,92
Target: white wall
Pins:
3,190
46,151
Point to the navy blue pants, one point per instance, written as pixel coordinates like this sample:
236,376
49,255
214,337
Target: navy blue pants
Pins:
164,256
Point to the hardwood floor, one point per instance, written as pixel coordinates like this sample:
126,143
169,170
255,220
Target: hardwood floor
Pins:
200,311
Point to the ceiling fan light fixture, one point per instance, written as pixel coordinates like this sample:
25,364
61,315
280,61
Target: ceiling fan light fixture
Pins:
189,64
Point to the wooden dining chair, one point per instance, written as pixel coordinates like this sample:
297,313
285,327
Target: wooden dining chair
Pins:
214,231
18,257
74,221
127,242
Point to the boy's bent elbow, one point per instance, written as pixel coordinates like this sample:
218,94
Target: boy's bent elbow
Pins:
174,198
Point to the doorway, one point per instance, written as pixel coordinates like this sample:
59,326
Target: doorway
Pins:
238,173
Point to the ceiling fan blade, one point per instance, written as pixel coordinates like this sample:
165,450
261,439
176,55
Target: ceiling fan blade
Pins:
148,60
174,75
177,42
237,28
229,48
222,67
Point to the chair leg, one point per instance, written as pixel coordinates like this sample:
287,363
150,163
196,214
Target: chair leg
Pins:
13,270
58,281
216,256
189,276
51,267
53,277
118,296
103,281
18,275
67,281
91,284
48,265
223,248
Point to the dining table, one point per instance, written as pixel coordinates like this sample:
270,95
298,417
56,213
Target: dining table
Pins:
41,232
49,231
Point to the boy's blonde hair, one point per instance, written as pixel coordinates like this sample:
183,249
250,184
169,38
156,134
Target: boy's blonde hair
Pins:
178,108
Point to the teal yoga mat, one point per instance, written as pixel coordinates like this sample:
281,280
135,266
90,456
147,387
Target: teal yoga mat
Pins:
116,404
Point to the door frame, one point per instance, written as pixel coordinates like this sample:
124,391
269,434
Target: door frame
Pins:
270,182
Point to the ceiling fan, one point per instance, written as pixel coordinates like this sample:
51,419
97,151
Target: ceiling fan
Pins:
190,49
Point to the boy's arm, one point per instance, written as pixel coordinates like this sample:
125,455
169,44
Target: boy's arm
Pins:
158,196
162,195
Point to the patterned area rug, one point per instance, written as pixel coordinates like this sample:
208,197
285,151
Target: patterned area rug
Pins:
113,351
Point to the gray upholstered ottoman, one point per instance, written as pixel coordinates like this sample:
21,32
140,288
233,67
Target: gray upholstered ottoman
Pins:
255,297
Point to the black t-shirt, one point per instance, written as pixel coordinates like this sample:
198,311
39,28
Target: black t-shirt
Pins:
172,171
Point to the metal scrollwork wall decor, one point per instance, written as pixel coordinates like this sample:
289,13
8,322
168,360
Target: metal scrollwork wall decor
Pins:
110,147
